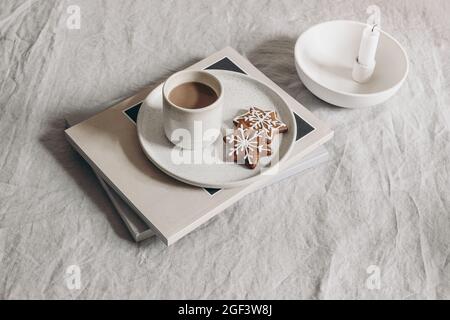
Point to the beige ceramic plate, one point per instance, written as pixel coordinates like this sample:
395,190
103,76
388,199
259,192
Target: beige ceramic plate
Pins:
240,93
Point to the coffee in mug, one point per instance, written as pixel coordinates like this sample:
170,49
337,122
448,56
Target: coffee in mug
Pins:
193,95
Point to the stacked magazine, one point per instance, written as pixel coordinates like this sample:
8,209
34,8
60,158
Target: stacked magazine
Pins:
152,203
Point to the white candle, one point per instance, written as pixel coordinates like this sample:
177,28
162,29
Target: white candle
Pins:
368,46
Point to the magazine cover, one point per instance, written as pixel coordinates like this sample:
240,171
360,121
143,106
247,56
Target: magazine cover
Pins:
137,227
109,142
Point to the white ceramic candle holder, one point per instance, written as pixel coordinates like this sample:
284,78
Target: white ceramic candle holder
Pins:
325,55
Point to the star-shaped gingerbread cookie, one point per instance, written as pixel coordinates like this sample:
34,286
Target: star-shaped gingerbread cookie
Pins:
265,121
246,146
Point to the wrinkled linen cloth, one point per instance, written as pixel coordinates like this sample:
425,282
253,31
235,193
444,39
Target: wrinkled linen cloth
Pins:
374,222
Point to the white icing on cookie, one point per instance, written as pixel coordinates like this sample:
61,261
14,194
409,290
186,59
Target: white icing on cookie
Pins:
247,145
265,121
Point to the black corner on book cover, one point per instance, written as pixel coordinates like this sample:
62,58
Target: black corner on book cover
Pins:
133,112
303,127
225,64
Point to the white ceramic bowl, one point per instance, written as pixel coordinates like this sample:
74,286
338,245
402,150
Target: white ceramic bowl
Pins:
324,56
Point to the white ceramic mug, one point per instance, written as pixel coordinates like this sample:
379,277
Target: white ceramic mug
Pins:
192,128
